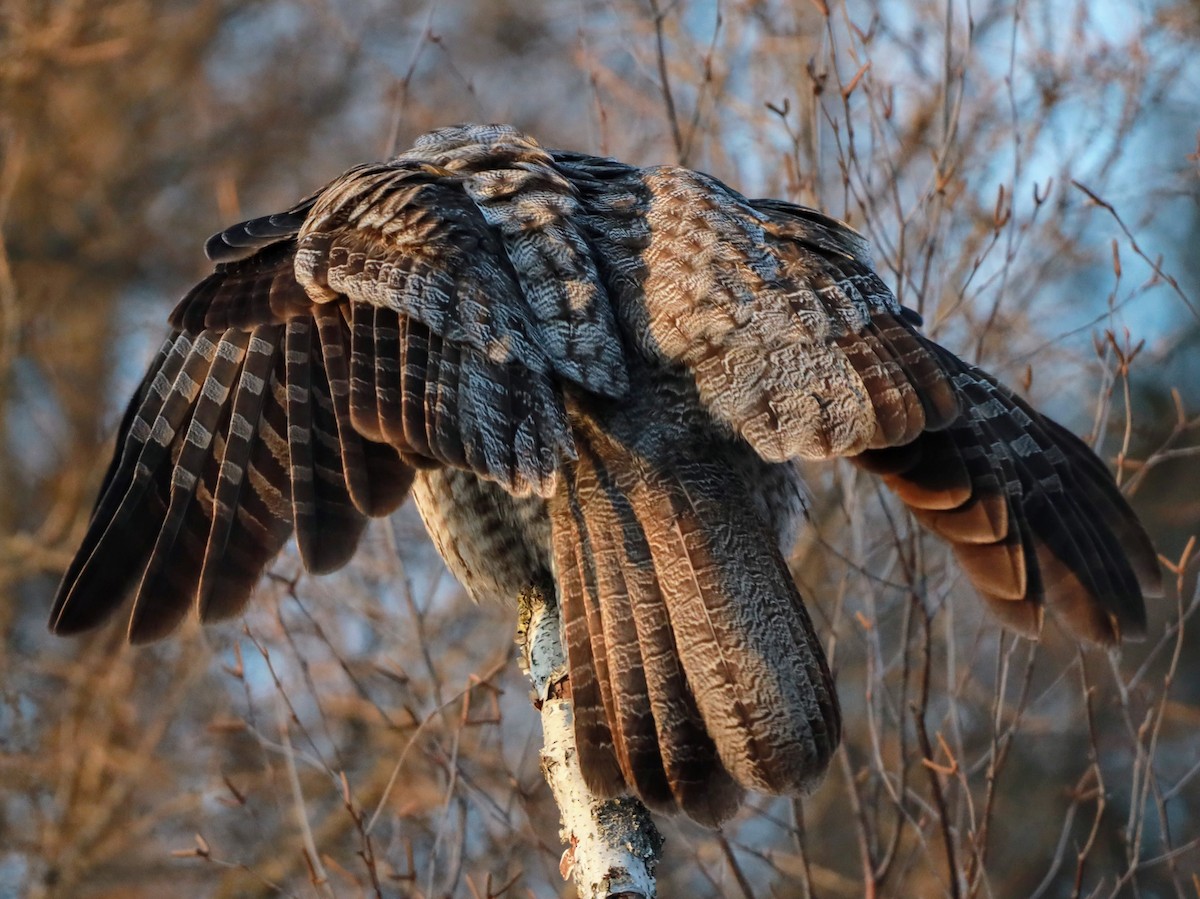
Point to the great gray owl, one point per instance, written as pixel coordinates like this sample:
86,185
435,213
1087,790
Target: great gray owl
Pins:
593,378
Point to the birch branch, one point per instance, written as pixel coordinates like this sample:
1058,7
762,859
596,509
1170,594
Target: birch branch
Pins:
613,846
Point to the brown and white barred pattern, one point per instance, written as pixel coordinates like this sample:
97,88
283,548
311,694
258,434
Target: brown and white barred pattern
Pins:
594,378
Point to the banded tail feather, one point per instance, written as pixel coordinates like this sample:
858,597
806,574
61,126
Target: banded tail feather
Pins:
702,672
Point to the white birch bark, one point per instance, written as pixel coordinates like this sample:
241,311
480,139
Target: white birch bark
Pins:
612,844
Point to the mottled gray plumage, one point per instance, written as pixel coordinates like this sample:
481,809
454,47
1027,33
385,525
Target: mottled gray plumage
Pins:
593,378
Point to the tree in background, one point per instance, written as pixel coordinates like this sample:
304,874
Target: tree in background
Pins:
1019,170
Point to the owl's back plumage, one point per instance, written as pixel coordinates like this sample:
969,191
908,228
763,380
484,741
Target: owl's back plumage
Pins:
594,378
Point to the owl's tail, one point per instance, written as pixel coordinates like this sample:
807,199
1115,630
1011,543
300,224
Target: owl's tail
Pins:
694,669
1033,516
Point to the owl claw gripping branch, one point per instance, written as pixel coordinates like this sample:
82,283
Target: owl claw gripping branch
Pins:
594,379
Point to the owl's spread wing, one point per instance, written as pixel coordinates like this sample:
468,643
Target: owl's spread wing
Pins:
1033,516
379,325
